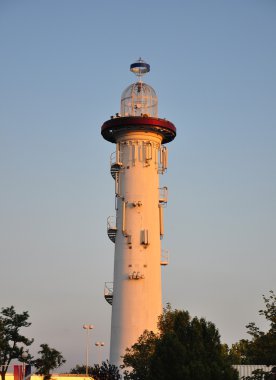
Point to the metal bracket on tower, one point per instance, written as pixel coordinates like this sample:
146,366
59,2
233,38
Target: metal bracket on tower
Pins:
136,204
163,196
129,240
164,257
145,237
148,153
124,218
163,161
161,221
136,276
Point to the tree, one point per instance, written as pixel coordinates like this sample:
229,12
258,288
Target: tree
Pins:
261,349
238,352
49,359
105,371
81,370
260,374
139,355
185,348
257,374
12,343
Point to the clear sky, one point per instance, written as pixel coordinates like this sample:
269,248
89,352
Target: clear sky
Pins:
63,67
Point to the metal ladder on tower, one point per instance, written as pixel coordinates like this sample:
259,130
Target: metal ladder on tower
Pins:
108,292
115,166
111,228
114,169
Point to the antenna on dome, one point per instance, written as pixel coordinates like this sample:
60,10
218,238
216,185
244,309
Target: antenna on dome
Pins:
139,68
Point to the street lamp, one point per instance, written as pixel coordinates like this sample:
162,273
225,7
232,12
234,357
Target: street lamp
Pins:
24,356
99,345
87,328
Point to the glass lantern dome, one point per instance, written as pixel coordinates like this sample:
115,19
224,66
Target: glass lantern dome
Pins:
139,99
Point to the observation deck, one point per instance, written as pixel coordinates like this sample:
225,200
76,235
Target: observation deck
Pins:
115,127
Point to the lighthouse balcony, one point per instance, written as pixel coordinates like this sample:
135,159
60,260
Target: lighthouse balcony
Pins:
111,228
115,164
108,292
164,257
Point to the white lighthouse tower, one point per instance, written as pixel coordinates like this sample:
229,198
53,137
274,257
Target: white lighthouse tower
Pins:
137,230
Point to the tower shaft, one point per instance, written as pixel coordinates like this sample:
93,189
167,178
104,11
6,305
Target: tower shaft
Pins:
137,274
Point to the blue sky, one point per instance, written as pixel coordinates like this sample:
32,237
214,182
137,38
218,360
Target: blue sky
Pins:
64,65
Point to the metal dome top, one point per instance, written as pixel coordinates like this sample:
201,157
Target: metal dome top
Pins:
139,99
140,67
139,111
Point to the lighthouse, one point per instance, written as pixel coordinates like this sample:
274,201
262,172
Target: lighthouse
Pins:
141,155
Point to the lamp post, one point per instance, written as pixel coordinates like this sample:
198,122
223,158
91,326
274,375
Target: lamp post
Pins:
99,345
87,328
24,356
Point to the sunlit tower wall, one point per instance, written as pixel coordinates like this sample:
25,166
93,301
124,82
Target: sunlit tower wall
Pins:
137,229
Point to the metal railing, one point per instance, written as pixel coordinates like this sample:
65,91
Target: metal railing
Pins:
108,289
108,292
111,223
163,195
115,159
164,257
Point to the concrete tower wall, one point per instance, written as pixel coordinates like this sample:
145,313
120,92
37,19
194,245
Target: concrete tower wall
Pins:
137,272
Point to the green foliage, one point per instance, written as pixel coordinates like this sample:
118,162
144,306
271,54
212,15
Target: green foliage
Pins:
12,343
270,311
261,349
238,352
260,374
49,359
81,370
139,356
105,371
186,348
